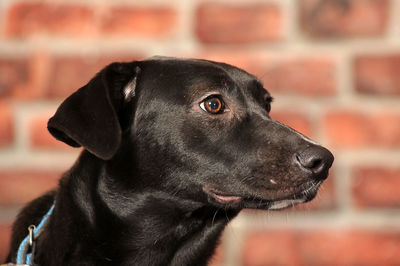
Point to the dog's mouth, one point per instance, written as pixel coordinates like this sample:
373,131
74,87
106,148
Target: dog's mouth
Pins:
255,202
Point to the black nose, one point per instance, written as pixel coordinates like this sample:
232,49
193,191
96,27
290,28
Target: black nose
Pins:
316,159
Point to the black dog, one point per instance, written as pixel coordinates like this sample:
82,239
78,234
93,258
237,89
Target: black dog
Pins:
173,150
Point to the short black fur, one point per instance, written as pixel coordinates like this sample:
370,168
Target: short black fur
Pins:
159,178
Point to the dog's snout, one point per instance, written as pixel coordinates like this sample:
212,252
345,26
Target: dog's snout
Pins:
315,159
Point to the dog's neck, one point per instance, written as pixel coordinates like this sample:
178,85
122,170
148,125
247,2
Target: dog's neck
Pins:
131,227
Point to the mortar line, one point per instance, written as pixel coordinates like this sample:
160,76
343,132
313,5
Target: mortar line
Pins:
392,27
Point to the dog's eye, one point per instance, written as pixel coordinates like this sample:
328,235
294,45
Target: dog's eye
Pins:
268,107
268,101
213,105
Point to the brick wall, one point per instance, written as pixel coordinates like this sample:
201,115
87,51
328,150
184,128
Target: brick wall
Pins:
332,66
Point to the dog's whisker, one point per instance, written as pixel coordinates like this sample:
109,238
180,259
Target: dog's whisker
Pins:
247,178
215,214
226,215
260,203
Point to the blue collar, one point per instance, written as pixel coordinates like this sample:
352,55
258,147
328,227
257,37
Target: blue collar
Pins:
27,246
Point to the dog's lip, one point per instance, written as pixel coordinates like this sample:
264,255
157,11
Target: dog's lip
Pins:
221,196
304,195
276,204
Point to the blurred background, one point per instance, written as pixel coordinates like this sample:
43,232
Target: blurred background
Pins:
333,67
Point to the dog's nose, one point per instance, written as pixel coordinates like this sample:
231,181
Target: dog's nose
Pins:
316,159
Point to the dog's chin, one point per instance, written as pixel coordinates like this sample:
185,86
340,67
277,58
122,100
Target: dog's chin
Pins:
228,200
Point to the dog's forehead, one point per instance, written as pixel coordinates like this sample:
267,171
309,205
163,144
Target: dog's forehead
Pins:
202,64
200,74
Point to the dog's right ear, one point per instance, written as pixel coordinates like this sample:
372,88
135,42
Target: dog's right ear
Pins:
91,117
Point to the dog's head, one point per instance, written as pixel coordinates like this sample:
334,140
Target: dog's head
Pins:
194,129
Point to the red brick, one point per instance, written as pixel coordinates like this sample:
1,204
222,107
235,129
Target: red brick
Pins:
295,120
24,76
5,235
378,74
30,75
39,136
308,76
321,247
25,19
376,187
14,75
69,73
270,248
326,18
226,23
354,129
39,70
126,21
6,124
20,187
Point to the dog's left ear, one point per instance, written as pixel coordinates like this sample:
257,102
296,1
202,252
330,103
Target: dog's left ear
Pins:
93,116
